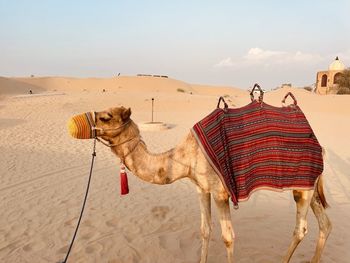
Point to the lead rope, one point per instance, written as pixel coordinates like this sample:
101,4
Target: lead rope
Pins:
82,209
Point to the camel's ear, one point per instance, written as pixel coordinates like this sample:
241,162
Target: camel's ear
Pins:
126,114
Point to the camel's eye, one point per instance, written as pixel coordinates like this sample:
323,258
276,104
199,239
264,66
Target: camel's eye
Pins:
106,118
103,119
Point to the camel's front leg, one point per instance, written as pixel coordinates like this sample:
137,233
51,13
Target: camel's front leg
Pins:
228,234
204,203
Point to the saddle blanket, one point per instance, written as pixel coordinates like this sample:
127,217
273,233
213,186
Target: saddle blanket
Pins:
260,146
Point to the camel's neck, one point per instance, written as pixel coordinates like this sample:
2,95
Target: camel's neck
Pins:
163,168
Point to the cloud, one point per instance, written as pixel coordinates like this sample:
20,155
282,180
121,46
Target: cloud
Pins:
226,62
267,58
258,54
271,67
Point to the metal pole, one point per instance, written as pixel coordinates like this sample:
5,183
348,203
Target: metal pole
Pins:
152,107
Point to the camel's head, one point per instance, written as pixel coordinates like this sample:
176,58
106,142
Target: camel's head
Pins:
110,123
105,124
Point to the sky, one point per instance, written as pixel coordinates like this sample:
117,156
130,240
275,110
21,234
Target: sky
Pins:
224,42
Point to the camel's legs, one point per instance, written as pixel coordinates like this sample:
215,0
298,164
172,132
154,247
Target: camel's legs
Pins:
226,226
205,206
324,224
302,199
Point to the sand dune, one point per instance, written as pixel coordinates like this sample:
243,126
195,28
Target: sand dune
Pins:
16,86
44,173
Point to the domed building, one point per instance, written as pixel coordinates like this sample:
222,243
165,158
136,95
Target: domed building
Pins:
327,81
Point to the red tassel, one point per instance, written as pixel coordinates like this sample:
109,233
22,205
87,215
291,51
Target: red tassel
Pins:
124,187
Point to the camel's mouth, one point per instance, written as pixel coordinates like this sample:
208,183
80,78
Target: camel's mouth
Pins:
82,126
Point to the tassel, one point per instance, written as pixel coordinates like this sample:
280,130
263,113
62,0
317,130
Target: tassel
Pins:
124,187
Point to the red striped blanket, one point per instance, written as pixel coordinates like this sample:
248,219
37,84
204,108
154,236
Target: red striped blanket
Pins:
260,146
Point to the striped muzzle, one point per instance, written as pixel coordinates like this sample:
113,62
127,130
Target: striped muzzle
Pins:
82,126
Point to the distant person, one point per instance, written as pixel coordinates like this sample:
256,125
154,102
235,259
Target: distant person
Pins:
103,90
30,91
118,74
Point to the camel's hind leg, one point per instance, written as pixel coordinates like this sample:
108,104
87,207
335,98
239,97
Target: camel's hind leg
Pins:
323,222
222,204
205,206
302,199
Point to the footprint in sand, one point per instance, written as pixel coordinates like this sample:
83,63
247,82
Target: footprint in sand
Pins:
160,212
34,246
94,248
89,235
62,250
70,222
112,222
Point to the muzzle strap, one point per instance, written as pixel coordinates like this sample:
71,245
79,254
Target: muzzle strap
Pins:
81,126
91,119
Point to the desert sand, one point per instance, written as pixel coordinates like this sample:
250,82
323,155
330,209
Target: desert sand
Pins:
44,172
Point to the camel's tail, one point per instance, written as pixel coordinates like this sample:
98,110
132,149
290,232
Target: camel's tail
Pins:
320,192
319,186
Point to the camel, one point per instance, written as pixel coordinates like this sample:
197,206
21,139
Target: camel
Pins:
187,160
